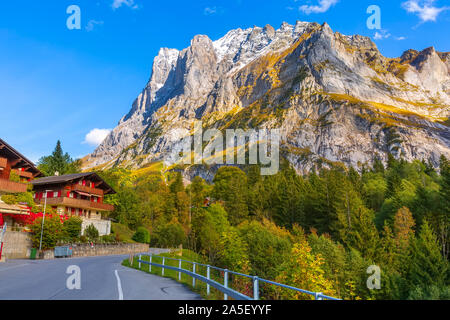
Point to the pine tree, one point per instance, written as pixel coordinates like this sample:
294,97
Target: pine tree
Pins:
443,217
177,184
230,186
58,163
378,166
428,267
360,232
197,190
403,227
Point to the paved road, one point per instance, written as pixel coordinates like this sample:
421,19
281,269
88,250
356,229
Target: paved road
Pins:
102,278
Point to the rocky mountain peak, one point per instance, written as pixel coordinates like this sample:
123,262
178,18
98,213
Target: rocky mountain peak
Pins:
408,56
334,97
269,30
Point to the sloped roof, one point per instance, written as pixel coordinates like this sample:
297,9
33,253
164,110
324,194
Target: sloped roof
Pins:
72,177
8,151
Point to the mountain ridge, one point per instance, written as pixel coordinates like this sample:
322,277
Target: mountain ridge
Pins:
334,97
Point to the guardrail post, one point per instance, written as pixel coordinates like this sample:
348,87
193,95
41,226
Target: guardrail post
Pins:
179,267
140,257
193,270
317,295
208,276
255,288
164,260
150,265
225,283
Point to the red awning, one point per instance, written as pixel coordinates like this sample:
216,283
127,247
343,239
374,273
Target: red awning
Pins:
83,193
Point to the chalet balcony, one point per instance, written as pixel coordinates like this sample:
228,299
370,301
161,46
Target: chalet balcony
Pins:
77,203
12,187
94,191
3,162
24,174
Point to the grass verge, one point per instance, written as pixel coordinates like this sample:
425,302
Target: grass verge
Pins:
200,287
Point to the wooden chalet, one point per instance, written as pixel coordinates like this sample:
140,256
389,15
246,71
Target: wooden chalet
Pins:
79,194
13,161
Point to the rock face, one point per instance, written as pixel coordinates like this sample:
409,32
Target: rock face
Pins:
334,97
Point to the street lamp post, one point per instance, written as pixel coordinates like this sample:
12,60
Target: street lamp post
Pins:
43,219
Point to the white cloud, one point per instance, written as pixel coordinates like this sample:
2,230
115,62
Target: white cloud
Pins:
425,10
129,3
400,38
322,7
210,10
91,25
96,136
383,34
213,10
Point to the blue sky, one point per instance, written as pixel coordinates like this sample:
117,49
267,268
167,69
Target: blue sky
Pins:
57,83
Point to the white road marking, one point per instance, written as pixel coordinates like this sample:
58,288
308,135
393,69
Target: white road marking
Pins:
20,265
119,286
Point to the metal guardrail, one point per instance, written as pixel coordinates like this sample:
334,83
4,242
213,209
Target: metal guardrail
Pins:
224,288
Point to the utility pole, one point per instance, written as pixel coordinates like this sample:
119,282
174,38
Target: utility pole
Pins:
1,240
43,219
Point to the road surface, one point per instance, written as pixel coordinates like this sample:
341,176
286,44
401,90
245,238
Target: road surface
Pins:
102,278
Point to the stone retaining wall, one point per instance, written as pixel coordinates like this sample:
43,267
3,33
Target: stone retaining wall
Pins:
85,250
16,245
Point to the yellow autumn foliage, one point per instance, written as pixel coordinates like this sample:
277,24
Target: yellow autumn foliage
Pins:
304,271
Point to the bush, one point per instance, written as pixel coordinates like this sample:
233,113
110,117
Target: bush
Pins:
268,247
142,235
108,238
91,232
170,235
72,228
122,233
53,232
13,176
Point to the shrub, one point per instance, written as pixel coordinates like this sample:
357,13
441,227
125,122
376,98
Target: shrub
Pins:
268,247
91,232
122,233
53,232
13,176
170,235
108,238
142,235
72,228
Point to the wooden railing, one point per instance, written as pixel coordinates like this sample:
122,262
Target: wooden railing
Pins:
78,203
24,174
87,189
12,187
3,162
